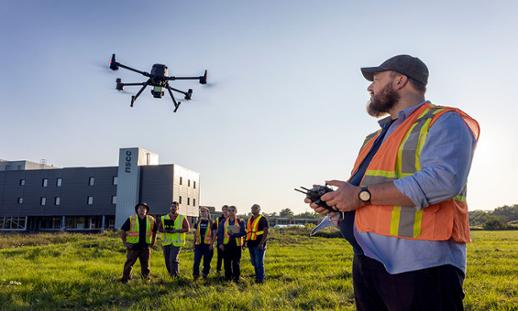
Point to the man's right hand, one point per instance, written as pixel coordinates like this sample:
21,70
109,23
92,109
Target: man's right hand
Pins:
221,247
316,208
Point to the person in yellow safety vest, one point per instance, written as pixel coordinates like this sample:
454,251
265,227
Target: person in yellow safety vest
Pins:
256,234
174,227
138,233
220,220
204,236
230,241
403,209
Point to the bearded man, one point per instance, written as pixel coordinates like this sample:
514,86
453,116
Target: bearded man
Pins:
403,209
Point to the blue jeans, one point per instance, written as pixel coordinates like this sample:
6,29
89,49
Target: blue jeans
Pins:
257,259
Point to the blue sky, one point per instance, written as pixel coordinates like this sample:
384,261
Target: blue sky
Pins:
287,107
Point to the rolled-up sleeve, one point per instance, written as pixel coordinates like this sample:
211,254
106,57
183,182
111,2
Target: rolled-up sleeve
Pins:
445,162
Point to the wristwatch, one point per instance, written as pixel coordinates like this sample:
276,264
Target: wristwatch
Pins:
364,195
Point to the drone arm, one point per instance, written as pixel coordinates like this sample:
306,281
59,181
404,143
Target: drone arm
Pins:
183,78
177,90
132,69
132,84
133,98
176,104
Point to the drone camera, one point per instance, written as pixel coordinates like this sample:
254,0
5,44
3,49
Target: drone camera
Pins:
157,92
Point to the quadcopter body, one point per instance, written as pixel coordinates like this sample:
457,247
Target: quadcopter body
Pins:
159,79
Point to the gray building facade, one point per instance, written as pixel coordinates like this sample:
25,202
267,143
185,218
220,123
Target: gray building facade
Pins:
94,198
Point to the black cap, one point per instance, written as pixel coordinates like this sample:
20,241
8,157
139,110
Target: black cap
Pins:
143,204
407,65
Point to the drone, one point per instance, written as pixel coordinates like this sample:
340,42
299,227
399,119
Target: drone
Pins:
159,79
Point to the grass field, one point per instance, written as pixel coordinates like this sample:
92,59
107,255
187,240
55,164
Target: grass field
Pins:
80,272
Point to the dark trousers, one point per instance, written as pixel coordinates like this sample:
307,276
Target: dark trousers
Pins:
143,255
220,260
437,288
232,259
172,261
202,251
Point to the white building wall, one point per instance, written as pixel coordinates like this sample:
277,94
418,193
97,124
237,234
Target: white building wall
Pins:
188,190
128,180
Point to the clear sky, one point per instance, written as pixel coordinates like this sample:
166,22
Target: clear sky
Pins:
287,104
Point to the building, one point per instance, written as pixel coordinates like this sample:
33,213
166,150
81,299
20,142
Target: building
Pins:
36,198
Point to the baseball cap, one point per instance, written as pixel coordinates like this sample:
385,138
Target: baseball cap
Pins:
407,65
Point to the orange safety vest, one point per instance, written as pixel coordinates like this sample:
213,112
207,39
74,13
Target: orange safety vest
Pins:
398,157
251,228
207,238
226,234
133,235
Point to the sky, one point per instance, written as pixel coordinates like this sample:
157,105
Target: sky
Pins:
286,103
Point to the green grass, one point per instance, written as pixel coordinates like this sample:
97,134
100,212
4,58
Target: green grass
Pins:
81,272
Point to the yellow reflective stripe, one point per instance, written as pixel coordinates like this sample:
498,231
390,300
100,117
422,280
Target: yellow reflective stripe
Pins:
394,221
420,143
390,174
399,158
417,223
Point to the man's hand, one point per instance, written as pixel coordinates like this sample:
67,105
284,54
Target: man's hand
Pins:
221,247
344,198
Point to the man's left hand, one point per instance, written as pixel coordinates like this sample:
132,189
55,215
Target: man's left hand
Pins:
344,198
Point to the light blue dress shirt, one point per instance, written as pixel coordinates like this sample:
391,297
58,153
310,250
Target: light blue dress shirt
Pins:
445,162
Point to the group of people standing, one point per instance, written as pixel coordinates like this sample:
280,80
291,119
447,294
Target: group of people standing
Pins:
229,233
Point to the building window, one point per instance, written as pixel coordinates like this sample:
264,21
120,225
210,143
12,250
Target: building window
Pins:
59,181
91,181
188,182
20,200
194,184
114,180
114,199
22,182
181,180
180,200
57,201
188,201
90,201
43,201
45,182
193,202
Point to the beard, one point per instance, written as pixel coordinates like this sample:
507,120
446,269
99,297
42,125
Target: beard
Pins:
382,103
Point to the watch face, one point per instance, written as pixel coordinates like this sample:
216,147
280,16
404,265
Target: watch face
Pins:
365,196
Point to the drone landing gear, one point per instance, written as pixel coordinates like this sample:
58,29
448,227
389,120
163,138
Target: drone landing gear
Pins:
144,85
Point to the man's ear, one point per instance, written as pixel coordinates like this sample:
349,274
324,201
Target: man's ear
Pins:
400,81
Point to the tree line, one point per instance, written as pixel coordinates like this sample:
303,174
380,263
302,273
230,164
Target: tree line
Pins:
501,218
504,217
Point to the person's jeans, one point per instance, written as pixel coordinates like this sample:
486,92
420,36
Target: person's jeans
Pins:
171,257
142,254
257,259
202,251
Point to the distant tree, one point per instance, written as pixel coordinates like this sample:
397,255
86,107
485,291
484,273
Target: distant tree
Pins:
478,218
312,215
286,213
509,213
495,223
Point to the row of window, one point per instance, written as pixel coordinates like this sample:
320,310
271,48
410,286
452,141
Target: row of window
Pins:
57,200
188,201
59,181
188,182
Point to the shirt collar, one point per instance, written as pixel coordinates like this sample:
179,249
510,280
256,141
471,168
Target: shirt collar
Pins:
402,115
